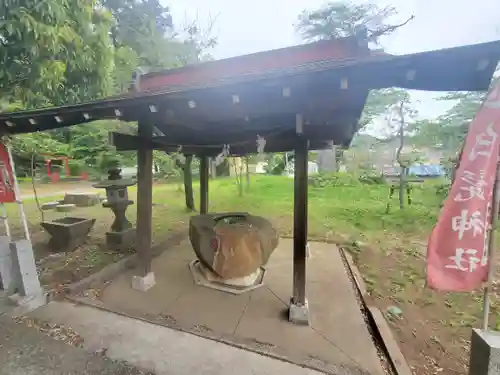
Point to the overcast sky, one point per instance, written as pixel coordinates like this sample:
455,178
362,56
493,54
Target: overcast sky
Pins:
247,26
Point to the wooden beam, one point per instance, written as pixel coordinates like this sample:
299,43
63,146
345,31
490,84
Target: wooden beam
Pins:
278,143
300,220
144,196
204,177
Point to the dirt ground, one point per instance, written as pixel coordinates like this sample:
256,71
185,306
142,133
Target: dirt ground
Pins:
60,187
59,269
433,329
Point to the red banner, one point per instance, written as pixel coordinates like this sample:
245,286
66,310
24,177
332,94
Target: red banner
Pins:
7,194
457,253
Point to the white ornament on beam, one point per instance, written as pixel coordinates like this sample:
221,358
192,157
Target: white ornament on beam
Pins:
224,153
483,64
299,124
261,144
410,75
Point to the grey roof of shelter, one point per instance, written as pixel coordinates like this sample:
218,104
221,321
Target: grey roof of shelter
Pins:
466,68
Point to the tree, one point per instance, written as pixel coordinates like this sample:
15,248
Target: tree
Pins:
398,123
454,123
339,19
247,172
449,130
54,52
184,164
57,52
89,141
142,26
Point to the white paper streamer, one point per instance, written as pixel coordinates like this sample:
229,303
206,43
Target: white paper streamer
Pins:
261,144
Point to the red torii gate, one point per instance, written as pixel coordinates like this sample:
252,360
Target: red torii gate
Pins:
49,158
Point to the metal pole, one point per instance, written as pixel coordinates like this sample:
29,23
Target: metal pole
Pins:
491,247
17,193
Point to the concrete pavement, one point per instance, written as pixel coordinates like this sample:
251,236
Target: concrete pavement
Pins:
162,350
337,340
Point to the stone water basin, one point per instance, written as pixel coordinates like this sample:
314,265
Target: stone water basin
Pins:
67,233
233,248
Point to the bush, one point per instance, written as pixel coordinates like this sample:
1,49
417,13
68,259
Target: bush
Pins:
76,167
443,190
372,179
333,179
109,160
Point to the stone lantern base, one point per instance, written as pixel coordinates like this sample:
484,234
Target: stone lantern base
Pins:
121,241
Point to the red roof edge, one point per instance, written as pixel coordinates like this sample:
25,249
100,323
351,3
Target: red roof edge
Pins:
264,61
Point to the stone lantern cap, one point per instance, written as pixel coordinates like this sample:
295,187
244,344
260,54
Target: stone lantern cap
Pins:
116,184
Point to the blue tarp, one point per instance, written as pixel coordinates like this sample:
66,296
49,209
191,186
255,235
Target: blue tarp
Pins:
426,170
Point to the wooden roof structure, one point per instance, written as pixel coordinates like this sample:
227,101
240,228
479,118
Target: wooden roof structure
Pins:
201,108
299,98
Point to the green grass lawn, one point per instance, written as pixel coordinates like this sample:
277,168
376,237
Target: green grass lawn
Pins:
389,249
358,210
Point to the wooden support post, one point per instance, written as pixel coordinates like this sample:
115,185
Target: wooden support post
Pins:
299,312
145,279
204,176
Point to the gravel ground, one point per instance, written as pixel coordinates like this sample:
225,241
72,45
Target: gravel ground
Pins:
26,348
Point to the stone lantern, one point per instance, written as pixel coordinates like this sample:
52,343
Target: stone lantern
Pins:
122,234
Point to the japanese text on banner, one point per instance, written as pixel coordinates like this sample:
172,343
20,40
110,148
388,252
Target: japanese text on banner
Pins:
457,253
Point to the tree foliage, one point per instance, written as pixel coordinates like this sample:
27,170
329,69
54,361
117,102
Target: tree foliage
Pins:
448,131
339,19
58,52
54,51
379,102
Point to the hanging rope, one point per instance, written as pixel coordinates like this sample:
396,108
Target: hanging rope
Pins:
274,133
34,186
